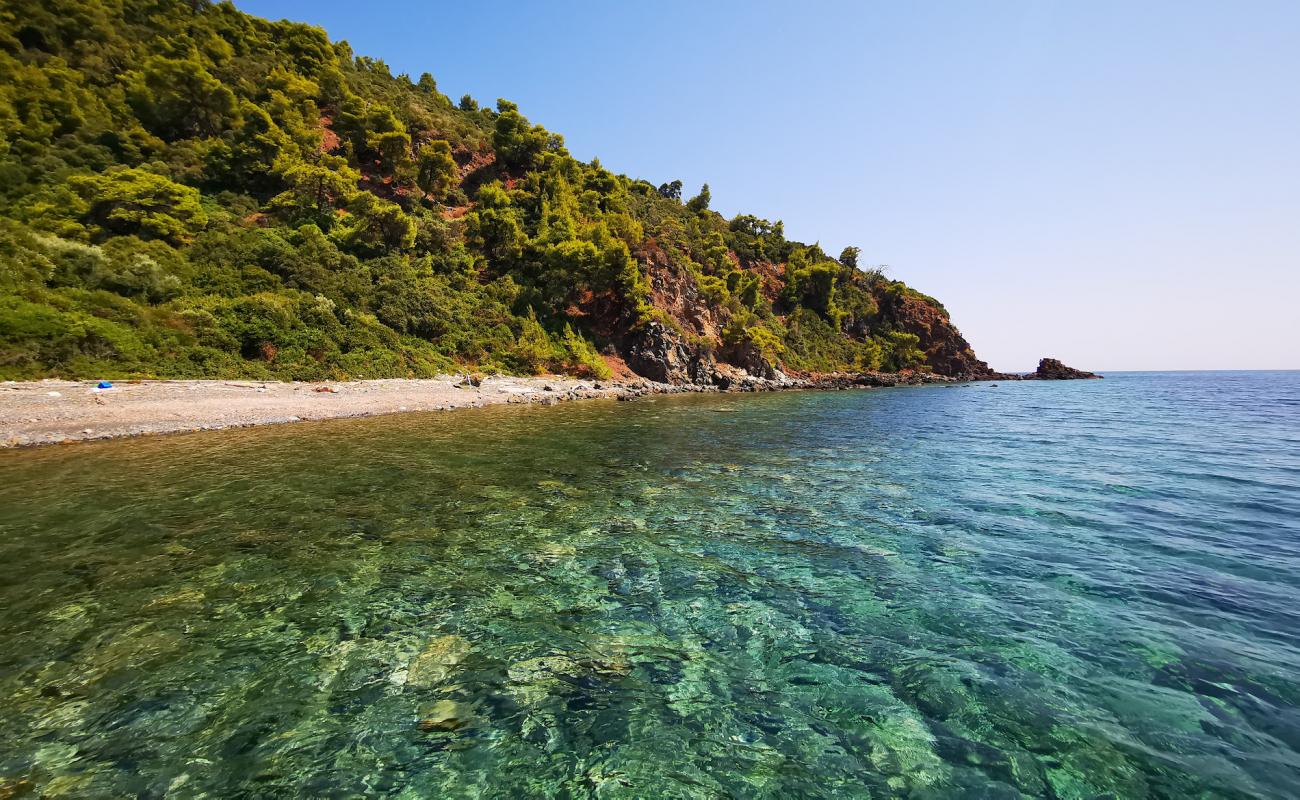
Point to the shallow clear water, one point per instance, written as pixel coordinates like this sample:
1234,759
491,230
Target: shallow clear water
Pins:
1042,589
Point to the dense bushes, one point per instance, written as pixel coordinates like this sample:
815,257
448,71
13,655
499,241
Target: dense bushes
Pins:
126,202
186,190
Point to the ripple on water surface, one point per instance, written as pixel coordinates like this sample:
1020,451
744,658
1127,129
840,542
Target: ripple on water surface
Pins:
1064,590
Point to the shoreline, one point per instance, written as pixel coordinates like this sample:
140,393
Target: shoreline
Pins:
46,412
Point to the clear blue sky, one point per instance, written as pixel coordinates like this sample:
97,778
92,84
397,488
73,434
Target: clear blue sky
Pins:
1114,183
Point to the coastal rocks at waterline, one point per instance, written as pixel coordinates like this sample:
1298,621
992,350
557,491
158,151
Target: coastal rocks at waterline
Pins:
32,414
658,354
1049,369
663,357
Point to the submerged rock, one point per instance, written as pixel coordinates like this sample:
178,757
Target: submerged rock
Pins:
534,680
444,715
438,661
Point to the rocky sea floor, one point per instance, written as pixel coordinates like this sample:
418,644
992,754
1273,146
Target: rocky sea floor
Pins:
1045,590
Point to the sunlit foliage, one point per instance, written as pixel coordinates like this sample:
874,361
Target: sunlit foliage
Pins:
186,190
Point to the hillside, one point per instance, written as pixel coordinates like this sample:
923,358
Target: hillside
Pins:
190,191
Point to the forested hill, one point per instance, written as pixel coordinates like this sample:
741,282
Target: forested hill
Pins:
190,191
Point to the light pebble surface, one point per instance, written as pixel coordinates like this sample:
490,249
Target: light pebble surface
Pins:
54,411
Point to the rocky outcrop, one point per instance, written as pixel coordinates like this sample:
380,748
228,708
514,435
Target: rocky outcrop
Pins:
661,354
1049,369
674,292
746,356
683,345
946,351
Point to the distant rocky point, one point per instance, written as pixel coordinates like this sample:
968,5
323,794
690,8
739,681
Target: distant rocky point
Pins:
1049,369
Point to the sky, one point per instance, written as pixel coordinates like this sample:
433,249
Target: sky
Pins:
1111,183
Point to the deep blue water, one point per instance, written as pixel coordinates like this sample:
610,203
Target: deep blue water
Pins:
1079,589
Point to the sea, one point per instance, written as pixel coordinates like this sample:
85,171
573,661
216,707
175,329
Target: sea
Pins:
1085,589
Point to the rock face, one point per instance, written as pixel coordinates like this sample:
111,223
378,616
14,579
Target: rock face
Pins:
663,355
946,351
689,352
1049,369
659,353
685,345
745,356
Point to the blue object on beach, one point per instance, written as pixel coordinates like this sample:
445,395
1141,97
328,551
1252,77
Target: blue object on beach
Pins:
104,385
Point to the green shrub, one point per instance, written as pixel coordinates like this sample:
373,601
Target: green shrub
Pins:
193,192
900,351
534,352
581,356
714,289
126,202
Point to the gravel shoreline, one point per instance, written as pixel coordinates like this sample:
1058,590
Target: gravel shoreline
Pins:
56,412
60,412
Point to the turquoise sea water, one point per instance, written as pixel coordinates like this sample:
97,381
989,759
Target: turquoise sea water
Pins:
1084,589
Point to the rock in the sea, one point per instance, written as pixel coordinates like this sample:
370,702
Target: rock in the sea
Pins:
1049,369
439,659
444,715
534,680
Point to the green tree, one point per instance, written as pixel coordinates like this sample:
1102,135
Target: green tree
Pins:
140,203
849,256
900,351
744,286
671,191
376,226
393,149
582,356
249,152
178,97
316,189
700,202
494,229
437,170
534,351
517,142
814,287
